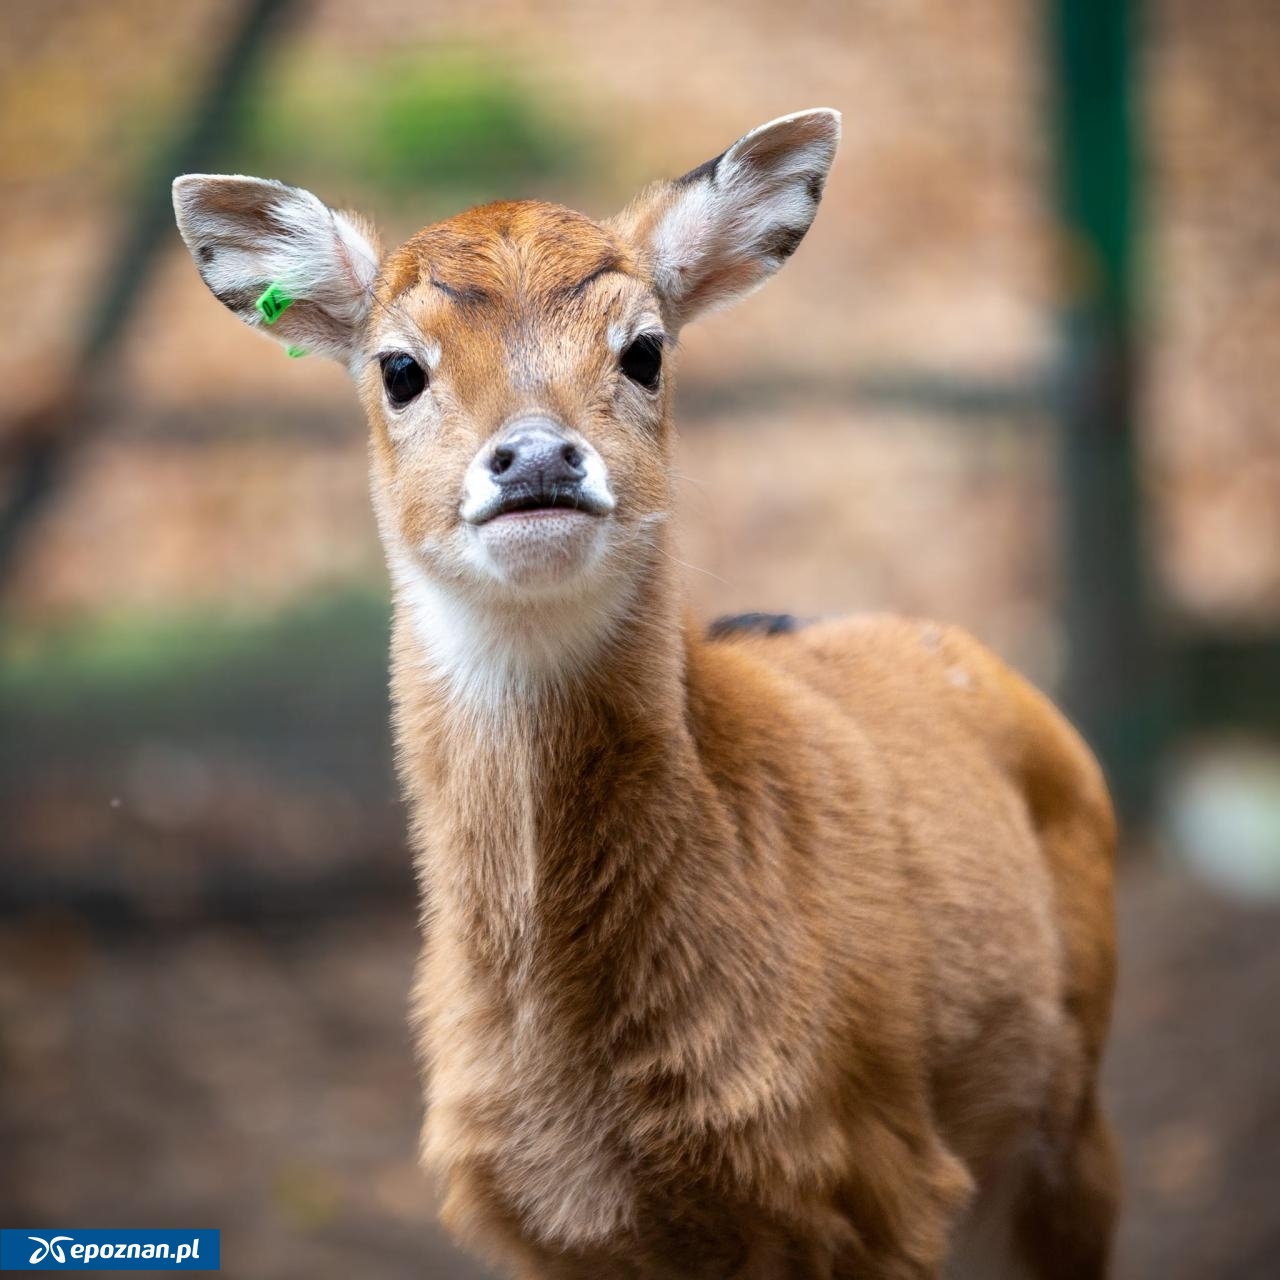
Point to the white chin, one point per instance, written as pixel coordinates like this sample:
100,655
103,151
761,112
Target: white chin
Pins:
542,549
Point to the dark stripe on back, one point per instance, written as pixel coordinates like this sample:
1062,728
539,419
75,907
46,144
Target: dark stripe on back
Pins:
761,624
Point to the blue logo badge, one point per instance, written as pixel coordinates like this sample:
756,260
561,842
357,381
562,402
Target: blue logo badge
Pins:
110,1250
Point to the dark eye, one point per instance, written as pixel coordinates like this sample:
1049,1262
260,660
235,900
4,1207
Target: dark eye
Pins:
642,360
403,377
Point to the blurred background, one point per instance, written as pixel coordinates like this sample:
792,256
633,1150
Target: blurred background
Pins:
1033,337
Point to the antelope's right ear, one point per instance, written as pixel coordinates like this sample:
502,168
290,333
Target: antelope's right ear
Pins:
281,260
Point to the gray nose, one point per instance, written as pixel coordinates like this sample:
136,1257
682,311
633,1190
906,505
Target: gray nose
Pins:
537,457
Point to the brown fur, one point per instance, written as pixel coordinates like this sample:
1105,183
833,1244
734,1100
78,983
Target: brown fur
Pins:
776,957
755,957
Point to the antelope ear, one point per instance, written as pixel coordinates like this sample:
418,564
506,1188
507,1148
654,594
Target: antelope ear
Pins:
281,260
725,227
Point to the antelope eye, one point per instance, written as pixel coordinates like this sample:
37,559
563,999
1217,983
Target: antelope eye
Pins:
404,378
642,360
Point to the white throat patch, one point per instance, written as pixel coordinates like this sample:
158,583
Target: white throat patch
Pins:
491,650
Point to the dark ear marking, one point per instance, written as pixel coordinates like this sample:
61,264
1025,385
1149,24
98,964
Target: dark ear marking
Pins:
707,169
814,184
237,299
782,242
206,254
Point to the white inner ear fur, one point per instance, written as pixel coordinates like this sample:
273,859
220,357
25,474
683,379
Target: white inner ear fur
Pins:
246,233
729,226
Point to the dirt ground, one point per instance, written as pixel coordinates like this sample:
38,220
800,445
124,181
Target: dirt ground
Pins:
269,1088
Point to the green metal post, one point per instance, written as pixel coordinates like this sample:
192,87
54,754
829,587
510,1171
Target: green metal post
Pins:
1111,680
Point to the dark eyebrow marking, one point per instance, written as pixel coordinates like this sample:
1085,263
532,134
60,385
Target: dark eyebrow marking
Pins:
605,268
467,295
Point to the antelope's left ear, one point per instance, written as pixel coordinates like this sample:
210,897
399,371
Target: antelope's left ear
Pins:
280,259
725,227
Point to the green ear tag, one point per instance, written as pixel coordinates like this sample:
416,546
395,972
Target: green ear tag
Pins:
273,303
295,353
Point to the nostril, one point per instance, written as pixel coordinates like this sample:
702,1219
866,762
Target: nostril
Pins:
572,456
503,457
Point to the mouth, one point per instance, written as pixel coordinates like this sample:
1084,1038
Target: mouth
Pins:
526,501
540,536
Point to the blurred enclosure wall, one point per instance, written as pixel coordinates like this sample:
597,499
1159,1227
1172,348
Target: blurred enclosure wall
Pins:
206,924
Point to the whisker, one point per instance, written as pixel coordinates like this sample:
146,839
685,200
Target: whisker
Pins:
684,564
693,480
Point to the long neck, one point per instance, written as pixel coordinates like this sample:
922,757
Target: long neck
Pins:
597,920
549,763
